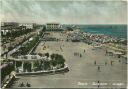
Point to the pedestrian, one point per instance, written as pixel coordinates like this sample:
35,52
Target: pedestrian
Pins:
28,85
106,53
95,62
22,84
105,63
98,68
80,55
74,54
111,63
98,84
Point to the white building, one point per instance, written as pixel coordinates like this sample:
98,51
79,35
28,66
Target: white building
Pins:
4,32
53,26
27,25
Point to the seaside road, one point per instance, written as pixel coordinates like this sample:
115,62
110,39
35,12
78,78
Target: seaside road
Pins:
83,72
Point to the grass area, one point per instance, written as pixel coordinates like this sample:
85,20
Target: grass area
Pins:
24,50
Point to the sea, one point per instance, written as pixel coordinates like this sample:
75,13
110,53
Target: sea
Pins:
119,31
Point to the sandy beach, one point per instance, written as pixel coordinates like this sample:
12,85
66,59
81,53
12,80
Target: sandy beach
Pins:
83,70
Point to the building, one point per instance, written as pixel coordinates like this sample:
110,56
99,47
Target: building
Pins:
53,26
12,24
27,25
8,27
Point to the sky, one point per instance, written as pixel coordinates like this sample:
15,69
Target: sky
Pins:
64,12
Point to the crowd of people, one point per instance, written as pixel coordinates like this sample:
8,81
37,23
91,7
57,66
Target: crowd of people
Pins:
24,85
77,54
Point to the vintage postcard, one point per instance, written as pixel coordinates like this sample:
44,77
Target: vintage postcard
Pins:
63,44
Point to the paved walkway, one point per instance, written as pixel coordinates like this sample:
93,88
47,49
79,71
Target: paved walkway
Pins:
83,71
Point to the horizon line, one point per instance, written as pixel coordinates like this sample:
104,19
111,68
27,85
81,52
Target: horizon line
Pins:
70,23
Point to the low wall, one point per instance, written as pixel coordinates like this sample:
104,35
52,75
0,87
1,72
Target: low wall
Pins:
9,82
61,70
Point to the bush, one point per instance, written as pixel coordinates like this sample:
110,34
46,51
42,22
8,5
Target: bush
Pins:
57,59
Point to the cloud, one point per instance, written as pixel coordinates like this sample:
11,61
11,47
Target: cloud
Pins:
71,12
